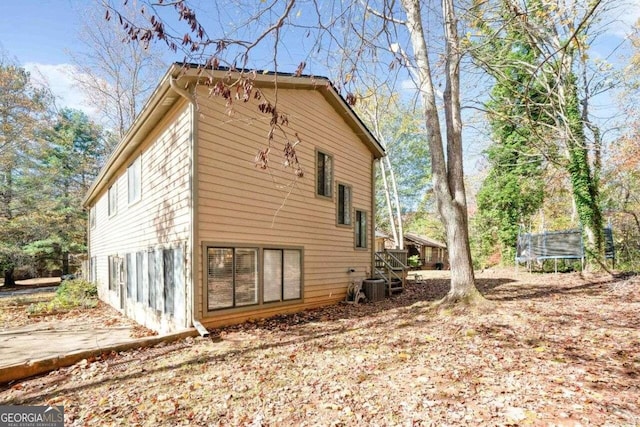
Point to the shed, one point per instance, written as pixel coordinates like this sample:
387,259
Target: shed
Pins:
431,253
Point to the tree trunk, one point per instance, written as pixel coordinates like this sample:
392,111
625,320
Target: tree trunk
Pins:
392,223
447,173
462,277
65,262
394,187
9,281
584,179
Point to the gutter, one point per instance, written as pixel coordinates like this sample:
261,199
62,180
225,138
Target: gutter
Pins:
125,147
193,226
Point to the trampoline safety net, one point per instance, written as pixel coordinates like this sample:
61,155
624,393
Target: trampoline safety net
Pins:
565,244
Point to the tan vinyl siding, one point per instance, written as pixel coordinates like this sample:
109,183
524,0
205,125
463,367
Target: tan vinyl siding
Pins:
241,204
160,218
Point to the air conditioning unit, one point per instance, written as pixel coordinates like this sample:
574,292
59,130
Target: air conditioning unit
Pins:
374,289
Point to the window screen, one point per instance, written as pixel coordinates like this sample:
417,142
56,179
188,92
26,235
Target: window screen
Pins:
220,278
292,275
282,276
246,276
272,275
169,261
113,199
131,275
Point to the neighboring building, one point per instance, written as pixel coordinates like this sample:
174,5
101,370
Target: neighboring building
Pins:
433,255
381,241
184,228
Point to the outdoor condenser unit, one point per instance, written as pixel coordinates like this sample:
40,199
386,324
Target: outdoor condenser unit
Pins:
374,289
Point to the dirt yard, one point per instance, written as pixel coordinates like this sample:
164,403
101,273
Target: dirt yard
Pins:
548,350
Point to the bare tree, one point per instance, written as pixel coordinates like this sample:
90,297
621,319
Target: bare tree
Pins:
374,110
116,77
362,35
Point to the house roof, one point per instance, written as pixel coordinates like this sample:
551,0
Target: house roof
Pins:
164,97
424,241
381,235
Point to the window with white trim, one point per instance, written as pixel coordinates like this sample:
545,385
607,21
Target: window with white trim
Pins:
113,199
134,180
155,278
93,271
92,217
131,275
115,272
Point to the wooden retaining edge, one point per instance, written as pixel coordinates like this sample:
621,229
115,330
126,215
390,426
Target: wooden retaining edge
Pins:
31,368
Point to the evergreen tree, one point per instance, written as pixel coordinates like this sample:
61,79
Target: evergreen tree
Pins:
69,164
23,115
513,189
556,108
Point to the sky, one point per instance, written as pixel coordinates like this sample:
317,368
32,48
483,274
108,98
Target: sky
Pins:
41,34
38,34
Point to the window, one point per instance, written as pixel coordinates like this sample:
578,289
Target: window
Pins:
344,204
134,174
282,274
154,274
113,199
361,229
140,295
93,272
131,275
232,277
324,174
155,278
115,272
92,217
173,260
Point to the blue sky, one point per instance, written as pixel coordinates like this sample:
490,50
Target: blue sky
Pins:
39,31
40,34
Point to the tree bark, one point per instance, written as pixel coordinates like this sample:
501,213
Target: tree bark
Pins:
9,281
389,207
448,175
65,262
394,187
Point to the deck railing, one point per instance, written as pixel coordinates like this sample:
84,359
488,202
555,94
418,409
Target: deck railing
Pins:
391,264
396,258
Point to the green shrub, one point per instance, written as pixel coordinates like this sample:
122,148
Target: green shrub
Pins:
414,261
71,294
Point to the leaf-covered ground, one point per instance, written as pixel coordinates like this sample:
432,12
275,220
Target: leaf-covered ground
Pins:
15,312
548,350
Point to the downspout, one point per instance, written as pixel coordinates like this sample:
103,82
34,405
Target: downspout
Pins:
372,240
88,277
193,226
